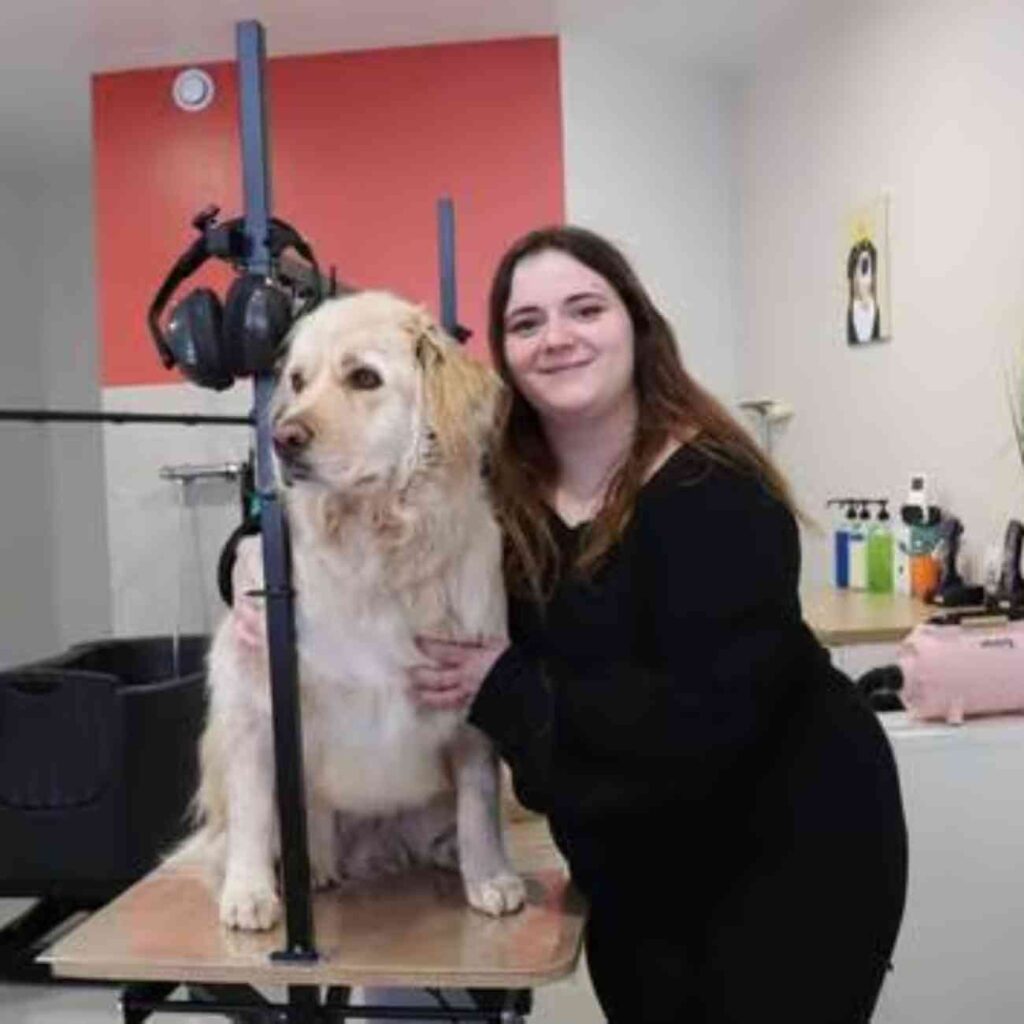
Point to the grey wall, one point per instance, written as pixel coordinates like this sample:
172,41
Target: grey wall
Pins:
67,331
54,567
27,617
650,162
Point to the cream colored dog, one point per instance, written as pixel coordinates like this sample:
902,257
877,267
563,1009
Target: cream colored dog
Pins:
380,428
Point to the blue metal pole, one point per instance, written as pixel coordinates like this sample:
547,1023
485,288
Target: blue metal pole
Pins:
291,794
252,54
446,264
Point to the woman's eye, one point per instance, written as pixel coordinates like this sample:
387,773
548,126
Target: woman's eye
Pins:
523,328
365,379
589,312
297,381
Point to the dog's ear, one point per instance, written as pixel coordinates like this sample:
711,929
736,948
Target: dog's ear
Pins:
460,394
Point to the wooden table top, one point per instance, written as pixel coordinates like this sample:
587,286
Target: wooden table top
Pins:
414,931
860,617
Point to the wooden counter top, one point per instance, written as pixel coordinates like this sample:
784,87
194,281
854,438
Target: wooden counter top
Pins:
859,617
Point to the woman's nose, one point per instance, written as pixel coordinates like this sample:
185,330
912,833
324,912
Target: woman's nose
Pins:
557,333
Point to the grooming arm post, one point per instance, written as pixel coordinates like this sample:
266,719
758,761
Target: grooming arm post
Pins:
291,795
446,264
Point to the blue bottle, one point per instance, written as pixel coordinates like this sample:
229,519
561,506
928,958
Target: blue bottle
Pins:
841,544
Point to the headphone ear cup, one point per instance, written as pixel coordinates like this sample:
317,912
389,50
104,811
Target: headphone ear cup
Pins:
194,336
257,316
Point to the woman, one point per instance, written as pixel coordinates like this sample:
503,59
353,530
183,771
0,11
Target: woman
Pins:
722,795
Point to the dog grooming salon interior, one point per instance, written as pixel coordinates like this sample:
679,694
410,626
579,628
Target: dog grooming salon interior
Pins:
825,199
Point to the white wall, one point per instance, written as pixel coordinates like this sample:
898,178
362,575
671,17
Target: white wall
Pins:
924,99
165,543
957,958
732,204
650,162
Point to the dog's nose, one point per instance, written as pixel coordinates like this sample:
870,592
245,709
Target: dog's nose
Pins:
291,438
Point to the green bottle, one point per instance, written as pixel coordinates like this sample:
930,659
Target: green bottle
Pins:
880,560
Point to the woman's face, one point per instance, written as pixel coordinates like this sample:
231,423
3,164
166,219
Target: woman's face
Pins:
568,339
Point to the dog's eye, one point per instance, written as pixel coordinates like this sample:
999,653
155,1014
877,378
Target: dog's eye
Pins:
365,379
297,381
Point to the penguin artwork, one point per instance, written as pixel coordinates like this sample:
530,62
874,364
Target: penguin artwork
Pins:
863,316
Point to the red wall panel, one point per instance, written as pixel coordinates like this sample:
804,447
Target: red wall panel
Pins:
362,145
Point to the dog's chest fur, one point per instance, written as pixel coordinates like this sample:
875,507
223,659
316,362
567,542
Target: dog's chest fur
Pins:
361,601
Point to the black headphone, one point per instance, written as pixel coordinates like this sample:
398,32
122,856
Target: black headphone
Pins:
214,345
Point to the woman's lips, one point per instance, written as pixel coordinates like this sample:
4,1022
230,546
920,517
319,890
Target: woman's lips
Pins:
564,367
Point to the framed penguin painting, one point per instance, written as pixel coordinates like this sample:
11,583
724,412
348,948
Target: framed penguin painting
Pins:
868,312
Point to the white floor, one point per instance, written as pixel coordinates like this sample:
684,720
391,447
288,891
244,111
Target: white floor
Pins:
567,1002
35,1004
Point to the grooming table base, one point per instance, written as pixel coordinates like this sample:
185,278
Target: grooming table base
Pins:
415,931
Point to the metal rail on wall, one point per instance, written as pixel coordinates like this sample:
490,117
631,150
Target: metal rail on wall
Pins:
88,416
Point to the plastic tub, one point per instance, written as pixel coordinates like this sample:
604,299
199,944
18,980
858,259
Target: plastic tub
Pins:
98,763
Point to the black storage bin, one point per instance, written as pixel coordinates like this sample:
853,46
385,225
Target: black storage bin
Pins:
98,763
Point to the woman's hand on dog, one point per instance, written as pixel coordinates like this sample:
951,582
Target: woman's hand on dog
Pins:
456,671
248,622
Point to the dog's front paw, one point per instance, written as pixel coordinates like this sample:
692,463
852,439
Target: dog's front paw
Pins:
324,875
502,894
249,906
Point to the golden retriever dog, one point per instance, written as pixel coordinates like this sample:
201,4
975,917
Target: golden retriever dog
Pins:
380,431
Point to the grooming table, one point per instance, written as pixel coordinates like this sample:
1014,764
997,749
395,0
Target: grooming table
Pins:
415,931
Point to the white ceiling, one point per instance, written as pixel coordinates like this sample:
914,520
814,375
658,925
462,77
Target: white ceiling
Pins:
48,48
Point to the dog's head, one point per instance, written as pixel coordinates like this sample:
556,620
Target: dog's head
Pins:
371,392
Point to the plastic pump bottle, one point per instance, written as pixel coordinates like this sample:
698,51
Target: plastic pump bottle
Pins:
841,543
858,548
879,547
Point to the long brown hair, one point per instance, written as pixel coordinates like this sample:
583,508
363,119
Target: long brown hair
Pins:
671,405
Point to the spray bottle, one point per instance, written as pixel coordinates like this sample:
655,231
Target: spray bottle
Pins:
901,557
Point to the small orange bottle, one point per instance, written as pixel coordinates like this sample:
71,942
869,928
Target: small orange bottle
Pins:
924,576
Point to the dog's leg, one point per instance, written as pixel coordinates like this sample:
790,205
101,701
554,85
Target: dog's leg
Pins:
323,844
491,885
249,899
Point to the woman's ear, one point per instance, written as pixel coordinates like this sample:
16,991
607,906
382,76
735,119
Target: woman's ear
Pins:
460,393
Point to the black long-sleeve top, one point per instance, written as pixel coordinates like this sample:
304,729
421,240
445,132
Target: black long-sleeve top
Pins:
662,681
